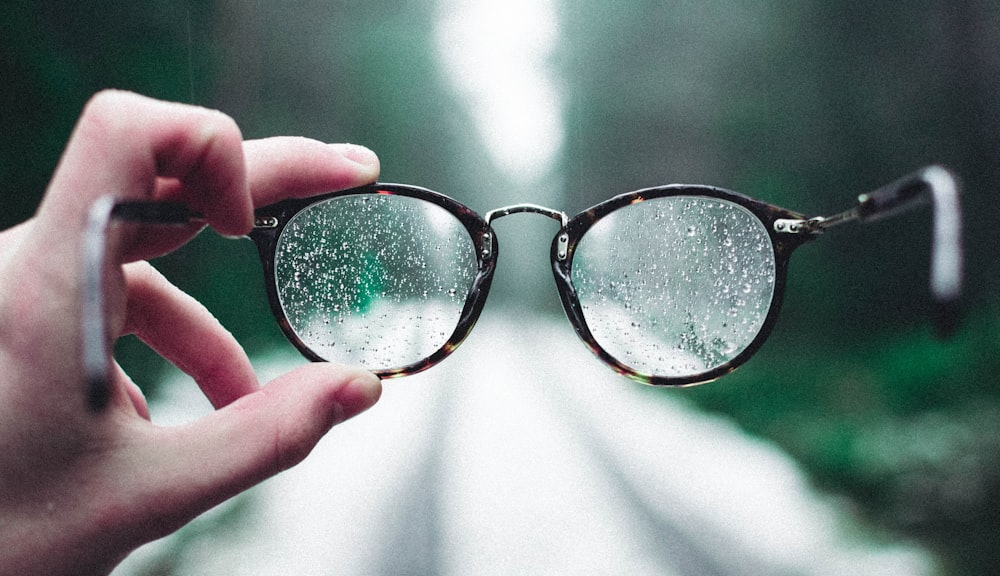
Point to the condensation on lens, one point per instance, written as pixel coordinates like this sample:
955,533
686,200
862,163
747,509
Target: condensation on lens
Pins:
374,280
675,286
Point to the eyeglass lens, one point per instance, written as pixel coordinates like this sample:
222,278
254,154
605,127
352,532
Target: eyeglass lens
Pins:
675,286
374,280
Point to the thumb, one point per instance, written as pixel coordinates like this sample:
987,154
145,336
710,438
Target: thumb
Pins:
260,434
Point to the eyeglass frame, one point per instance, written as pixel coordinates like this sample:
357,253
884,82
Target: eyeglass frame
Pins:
787,230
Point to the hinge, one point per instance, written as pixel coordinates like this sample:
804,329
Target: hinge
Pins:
265,222
798,226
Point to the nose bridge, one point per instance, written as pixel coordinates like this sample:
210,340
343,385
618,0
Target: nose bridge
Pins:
529,208
558,215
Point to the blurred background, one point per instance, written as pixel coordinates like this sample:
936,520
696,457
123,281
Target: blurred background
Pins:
802,104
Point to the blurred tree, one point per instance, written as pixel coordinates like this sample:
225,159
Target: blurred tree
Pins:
57,54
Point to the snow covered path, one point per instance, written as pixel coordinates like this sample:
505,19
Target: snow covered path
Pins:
522,454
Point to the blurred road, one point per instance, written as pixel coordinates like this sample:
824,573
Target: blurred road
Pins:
522,454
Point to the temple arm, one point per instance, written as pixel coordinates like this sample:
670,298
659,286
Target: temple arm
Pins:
935,185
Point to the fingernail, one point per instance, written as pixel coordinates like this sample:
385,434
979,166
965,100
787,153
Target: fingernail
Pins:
357,396
358,155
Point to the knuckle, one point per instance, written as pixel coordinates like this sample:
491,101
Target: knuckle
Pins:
220,128
104,110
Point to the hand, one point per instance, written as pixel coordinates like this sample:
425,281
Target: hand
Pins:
80,489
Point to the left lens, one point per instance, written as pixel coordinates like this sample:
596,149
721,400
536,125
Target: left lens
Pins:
675,286
375,280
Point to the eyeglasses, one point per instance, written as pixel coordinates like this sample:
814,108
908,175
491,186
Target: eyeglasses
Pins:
674,285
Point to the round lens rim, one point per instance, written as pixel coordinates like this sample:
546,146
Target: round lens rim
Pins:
562,268
271,222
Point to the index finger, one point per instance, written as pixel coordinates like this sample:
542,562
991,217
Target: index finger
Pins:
291,167
277,168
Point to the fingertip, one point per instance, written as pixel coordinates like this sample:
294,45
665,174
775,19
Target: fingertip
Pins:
360,393
295,167
365,159
311,400
262,433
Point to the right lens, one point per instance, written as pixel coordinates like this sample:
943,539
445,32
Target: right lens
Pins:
675,286
376,280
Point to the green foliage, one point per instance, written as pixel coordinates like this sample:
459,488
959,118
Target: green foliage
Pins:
907,425
55,55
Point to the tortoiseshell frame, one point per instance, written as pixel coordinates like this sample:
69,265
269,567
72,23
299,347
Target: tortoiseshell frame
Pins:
271,220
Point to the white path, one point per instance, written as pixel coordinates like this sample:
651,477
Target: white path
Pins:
522,454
